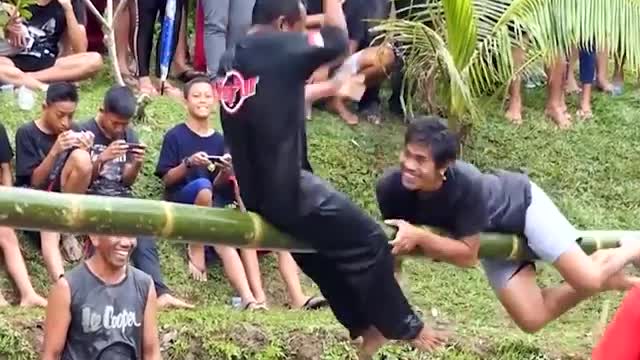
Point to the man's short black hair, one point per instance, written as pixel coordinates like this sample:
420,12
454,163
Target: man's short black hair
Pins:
119,100
61,91
432,132
266,11
198,80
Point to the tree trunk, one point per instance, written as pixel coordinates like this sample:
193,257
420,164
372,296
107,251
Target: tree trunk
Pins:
88,214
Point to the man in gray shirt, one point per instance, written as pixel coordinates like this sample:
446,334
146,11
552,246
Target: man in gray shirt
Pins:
432,188
103,308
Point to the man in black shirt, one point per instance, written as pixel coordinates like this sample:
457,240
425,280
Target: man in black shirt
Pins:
432,188
261,87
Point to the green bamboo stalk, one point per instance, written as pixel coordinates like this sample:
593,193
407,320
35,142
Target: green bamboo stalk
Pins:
90,214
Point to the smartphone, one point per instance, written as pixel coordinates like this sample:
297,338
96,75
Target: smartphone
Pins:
135,146
217,160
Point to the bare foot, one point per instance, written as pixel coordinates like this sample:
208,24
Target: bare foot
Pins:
145,86
620,282
197,266
430,339
559,117
571,86
33,300
337,106
169,301
514,116
372,341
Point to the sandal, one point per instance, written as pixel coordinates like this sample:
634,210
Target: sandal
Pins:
197,273
252,305
314,303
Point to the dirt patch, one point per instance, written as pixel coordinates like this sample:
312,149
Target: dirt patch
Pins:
248,336
305,345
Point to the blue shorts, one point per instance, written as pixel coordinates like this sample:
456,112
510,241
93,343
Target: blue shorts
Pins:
189,192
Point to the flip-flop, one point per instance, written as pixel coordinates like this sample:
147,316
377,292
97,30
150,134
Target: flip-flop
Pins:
252,305
315,303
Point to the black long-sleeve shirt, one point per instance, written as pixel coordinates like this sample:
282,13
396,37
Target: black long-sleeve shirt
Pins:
261,85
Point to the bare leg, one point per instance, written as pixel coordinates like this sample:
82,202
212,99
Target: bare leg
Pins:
556,108
235,272
618,72
12,75
602,73
197,262
180,58
50,247
122,34
252,268
71,68
532,308
571,86
514,108
17,269
289,272
75,178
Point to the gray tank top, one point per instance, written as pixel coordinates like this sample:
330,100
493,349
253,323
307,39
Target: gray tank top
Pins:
106,320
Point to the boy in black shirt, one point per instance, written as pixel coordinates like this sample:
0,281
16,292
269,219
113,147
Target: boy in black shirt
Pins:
117,156
433,188
52,156
262,99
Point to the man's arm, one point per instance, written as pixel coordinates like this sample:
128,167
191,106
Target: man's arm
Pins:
150,341
135,159
7,178
462,252
57,320
41,172
75,34
470,219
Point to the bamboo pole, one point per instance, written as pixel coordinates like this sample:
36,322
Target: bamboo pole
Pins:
90,214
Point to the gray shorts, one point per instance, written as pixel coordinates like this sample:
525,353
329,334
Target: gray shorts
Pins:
548,232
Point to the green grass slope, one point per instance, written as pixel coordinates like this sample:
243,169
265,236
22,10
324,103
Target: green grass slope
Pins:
591,171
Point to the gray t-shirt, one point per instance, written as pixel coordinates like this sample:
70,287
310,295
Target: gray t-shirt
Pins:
106,318
468,202
109,180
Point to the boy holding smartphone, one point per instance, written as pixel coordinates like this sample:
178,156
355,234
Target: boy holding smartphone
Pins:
117,157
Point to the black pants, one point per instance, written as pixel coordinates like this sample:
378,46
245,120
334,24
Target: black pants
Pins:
145,21
353,267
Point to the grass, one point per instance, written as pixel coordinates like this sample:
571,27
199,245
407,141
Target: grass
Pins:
590,171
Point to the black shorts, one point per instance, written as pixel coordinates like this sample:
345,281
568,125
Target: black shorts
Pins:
354,269
29,63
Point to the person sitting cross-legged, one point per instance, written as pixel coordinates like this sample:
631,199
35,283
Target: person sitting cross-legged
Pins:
432,188
117,156
37,59
190,176
52,155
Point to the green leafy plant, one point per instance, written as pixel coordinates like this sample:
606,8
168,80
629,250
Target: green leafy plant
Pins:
13,8
457,51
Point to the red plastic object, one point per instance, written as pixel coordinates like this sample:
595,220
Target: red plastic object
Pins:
199,57
620,339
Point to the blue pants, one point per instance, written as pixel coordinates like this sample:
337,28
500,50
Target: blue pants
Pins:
189,192
587,64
